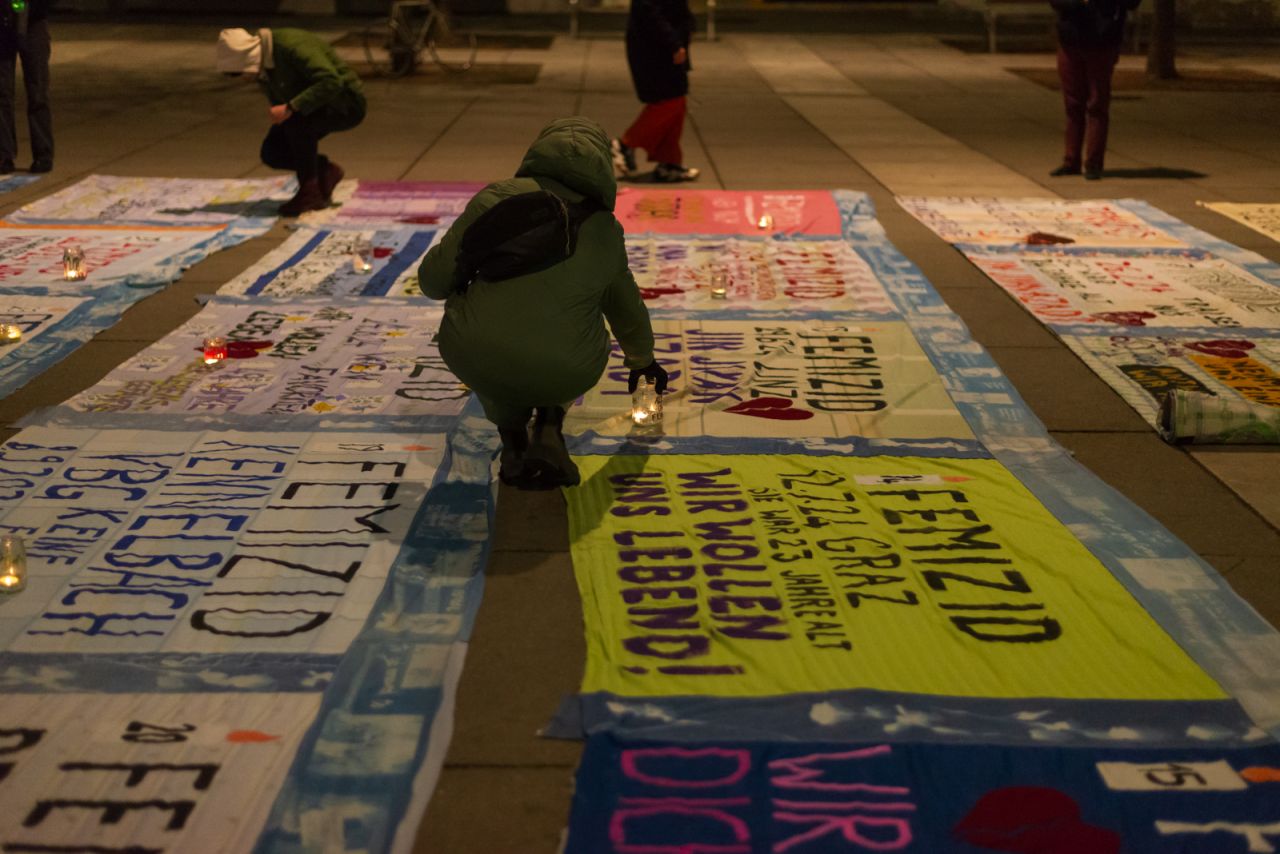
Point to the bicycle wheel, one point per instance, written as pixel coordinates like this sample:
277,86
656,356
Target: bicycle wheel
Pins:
465,65
389,49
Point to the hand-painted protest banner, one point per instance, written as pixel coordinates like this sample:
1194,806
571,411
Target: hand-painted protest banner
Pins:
148,541
391,202
1263,218
145,772
34,316
762,575
766,274
760,213
783,379
9,183
114,255
159,201
1143,369
1158,290
317,357
1085,223
338,262
804,798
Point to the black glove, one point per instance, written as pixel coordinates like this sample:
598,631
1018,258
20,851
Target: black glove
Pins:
655,372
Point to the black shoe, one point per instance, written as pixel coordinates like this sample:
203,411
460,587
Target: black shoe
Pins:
1092,174
547,463
624,158
6,167
671,173
40,166
1064,169
515,441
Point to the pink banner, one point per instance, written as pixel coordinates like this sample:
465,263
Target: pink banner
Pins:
748,212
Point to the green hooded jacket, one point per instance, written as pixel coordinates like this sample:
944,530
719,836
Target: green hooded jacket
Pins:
540,339
308,75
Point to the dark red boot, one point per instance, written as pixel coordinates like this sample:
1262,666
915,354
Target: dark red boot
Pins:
308,198
330,174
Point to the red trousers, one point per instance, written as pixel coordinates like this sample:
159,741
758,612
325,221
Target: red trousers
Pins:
1085,73
657,130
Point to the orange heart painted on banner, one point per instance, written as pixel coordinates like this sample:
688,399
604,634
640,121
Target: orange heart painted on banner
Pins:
1258,774
776,408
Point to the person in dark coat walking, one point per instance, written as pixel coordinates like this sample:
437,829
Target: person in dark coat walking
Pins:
312,92
24,35
658,35
1089,37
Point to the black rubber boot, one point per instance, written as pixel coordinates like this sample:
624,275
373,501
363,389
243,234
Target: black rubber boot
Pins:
515,442
547,463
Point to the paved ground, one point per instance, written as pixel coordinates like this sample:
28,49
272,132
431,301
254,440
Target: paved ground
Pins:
885,113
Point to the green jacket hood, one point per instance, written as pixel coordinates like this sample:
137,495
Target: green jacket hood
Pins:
575,152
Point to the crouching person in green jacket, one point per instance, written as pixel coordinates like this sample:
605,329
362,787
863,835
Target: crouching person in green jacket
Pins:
312,92
531,344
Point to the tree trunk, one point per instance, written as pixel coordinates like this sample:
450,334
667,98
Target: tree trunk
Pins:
1162,52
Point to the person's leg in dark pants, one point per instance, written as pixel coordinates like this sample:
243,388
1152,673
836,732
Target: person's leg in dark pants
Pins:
8,128
1074,80
34,50
294,145
1100,64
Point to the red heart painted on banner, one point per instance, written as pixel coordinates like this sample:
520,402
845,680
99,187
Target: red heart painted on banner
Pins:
654,293
382,251
1033,820
1044,238
250,736
421,219
1126,318
1227,349
245,349
777,408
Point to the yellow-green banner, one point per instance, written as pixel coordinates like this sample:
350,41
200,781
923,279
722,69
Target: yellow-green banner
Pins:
758,575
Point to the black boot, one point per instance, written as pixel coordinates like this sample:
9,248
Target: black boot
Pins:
515,442
548,464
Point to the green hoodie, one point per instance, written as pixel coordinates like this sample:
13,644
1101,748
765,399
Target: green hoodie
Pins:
540,339
306,74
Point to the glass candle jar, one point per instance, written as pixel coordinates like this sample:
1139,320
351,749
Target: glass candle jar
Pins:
719,283
361,254
646,404
765,222
10,333
13,564
73,268
215,350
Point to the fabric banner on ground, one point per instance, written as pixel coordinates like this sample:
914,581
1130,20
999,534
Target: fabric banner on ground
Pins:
758,575
307,358
147,541
160,201
1143,369
1260,217
391,202
315,262
45,334
282,619
1085,223
760,213
9,183
114,255
806,275
780,378
1159,290
1188,416
805,798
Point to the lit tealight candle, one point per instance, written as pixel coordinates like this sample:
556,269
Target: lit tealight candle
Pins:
765,221
215,350
646,405
13,564
719,284
361,252
10,333
73,269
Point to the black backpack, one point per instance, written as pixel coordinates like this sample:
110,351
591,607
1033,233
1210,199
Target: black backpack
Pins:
519,235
